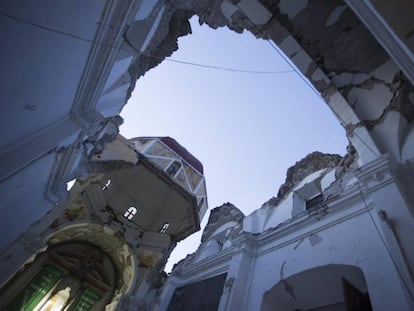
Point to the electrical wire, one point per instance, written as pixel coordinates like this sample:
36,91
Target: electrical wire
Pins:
64,33
280,53
133,49
308,83
343,123
274,47
283,56
227,68
301,75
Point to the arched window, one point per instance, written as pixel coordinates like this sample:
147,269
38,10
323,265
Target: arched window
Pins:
164,228
107,184
130,212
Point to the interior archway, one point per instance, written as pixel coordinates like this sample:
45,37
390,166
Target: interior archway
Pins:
111,243
330,287
68,276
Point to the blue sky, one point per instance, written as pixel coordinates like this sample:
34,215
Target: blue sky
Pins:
247,129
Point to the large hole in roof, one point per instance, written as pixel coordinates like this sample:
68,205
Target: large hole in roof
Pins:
246,128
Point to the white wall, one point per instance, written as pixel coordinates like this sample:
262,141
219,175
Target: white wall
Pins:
353,242
18,212
349,233
42,69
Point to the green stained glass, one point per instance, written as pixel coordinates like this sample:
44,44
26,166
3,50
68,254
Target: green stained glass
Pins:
38,287
87,299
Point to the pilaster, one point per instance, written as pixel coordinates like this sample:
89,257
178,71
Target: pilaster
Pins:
391,216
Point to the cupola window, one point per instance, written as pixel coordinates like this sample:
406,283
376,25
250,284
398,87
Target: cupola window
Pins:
130,213
107,184
164,228
173,168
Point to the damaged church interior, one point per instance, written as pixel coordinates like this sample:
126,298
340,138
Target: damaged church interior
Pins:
338,235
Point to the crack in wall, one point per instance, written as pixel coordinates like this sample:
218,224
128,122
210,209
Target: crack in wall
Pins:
324,57
400,102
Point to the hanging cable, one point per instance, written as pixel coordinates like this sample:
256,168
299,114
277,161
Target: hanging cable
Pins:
270,42
135,50
227,68
343,122
64,33
283,56
299,73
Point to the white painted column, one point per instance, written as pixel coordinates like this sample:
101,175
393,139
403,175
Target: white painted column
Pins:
235,288
392,218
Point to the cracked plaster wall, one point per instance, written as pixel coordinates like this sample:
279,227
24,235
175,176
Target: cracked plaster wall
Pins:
348,54
51,96
328,44
272,247
323,38
316,174
346,244
226,221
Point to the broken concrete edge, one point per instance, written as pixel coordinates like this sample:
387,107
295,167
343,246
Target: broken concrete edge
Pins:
220,215
400,88
325,70
174,24
313,162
